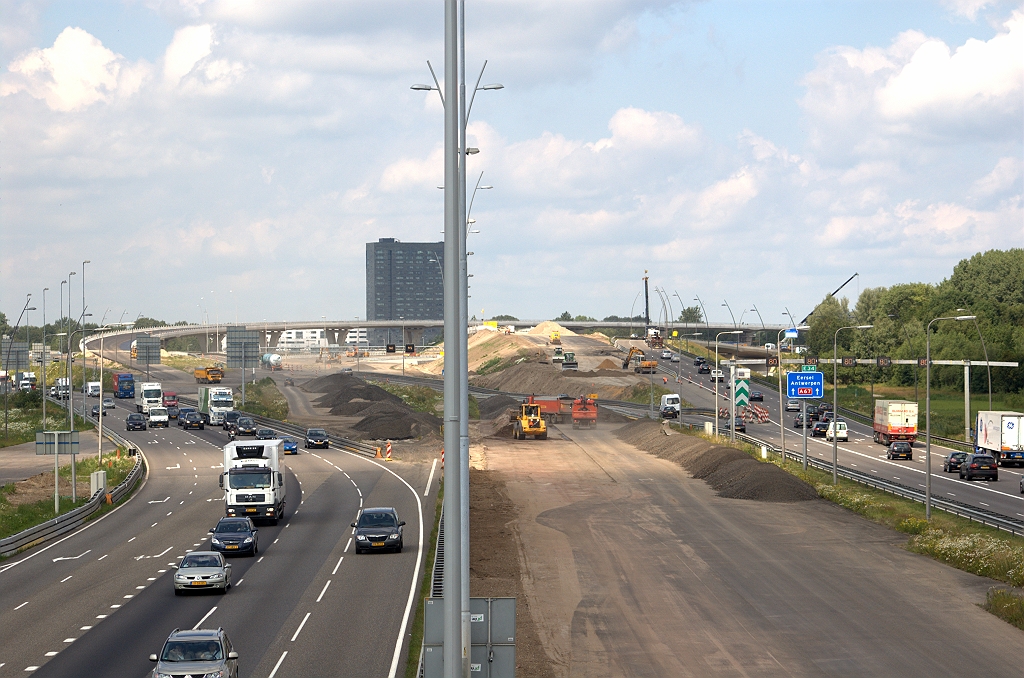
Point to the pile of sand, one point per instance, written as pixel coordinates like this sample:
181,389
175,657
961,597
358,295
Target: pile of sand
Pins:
731,472
538,379
549,326
609,364
484,347
497,405
383,415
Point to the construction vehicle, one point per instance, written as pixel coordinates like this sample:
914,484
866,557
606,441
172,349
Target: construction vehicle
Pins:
644,365
584,411
270,361
208,375
628,360
529,421
654,339
569,361
556,337
554,410
559,355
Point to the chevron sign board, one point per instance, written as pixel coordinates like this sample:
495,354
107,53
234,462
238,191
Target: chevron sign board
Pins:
742,391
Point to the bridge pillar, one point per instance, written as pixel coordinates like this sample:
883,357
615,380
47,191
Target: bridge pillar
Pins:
413,335
272,339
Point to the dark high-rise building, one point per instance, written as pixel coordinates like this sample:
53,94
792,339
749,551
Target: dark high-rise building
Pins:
403,280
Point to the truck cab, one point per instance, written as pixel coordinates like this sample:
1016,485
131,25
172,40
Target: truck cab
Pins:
252,480
170,399
148,395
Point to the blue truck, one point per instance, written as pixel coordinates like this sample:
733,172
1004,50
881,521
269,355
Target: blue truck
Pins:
124,385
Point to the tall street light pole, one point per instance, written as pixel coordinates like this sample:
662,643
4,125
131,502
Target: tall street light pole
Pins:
782,407
835,399
7,358
928,411
726,304
715,374
43,359
696,298
988,365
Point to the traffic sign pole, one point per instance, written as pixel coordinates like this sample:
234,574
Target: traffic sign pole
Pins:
803,420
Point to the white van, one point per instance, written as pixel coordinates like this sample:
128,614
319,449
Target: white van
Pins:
770,346
670,406
837,429
158,417
92,389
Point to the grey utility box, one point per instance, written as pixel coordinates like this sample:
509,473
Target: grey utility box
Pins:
493,638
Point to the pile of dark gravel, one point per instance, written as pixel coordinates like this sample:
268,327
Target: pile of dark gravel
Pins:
385,416
731,472
494,405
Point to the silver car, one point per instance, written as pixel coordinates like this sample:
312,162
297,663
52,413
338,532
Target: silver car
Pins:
201,570
197,652
108,404
792,405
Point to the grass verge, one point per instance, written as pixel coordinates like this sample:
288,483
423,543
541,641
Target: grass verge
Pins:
262,398
1006,605
25,417
416,632
425,398
950,539
641,393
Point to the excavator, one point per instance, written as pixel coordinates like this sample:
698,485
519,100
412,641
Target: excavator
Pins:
628,360
529,421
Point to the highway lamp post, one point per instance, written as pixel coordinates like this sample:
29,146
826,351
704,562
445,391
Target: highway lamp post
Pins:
68,329
835,399
707,324
928,410
716,377
56,455
763,328
7,358
726,304
43,359
60,343
988,365
402,318
71,399
632,307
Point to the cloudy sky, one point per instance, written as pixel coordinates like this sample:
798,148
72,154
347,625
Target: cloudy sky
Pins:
236,155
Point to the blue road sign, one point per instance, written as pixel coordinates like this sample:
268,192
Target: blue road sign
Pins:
805,384
792,333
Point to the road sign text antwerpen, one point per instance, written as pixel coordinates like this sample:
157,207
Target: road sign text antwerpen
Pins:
805,384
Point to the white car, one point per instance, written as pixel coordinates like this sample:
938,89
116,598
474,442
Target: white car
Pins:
665,355
717,375
158,417
838,430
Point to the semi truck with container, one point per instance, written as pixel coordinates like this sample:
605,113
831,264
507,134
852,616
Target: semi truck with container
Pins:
998,433
214,403
252,479
148,394
271,361
124,385
895,420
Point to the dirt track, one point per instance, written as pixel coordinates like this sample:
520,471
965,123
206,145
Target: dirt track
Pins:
633,568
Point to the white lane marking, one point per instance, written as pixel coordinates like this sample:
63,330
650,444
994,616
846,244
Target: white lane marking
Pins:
85,628
129,595
66,578
31,668
22,605
430,478
298,630
277,665
101,616
345,550
261,559
72,557
239,582
69,640
337,566
160,502
132,539
140,587
114,607
170,512
150,578
154,525
324,591
51,653
181,502
205,617
275,541
172,468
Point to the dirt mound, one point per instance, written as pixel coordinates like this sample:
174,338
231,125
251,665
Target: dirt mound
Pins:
606,416
549,326
550,380
495,405
346,394
387,426
731,472
608,364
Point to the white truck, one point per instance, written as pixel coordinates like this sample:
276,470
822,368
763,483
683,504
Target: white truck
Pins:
895,420
158,417
92,389
252,479
148,394
63,388
670,406
214,403
998,433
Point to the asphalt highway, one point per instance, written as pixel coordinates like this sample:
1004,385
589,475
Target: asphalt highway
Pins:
99,601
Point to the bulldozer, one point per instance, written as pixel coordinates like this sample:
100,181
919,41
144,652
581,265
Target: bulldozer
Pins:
556,337
529,421
569,361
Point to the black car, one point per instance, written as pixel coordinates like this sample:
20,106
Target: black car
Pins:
698,361
235,535
231,420
378,529
741,426
96,411
317,437
756,396
824,407
704,368
245,427
183,412
979,466
900,449
813,414
826,416
192,420
135,422
819,429
953,461
173,412
669,412
265,434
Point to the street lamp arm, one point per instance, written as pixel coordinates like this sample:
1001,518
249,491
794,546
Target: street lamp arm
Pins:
436,83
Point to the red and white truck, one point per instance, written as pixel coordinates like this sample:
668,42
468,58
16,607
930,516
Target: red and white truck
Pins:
584,412
170,399
998,434
895,420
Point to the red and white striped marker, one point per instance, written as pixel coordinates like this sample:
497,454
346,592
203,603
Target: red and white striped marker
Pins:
442,457
387,453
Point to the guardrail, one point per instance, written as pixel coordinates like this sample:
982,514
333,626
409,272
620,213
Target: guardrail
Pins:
982,516
356,446
72,519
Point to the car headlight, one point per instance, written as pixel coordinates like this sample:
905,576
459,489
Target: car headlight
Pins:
217,576
394,536
216,541
247,540
163,675
180,577
216,674
360,537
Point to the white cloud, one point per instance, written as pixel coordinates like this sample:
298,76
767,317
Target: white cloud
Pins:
967,8
1005,176
190,44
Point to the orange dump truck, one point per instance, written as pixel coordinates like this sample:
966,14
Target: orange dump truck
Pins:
554,410
584,411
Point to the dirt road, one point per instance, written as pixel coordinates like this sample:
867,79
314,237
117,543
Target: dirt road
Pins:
633,568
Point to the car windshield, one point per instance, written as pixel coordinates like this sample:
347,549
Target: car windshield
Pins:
151,393
250,479
132,417
192,416
192,651
286,440
984,460
158,411
231,416
266,432
960,456
204,560
316,432
246,421
232,527
376,520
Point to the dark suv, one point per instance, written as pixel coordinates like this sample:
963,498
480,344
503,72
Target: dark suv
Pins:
378,529
235,535
979,466
900,449
819,429
954,461
183,412
245,427
135,422
317,437
231,420
196,652
192,420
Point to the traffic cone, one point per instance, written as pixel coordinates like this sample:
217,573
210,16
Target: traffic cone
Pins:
378,455
387,453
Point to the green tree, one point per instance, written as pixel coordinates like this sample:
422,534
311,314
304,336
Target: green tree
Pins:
565,316
691,314
505,318
584,319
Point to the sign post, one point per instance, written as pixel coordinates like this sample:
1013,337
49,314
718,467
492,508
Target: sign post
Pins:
804,385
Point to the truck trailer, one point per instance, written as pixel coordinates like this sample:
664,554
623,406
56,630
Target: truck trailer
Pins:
214,403
998,433
149,394
252,479
124,385
208,375
895,420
